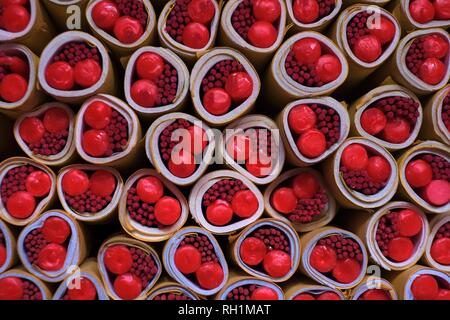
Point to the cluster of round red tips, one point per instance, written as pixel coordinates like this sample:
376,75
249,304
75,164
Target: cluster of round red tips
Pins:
445,114
327,295
440,248
424,11
310,11
429,175
15,288
397,232
22,188
85,290
427,287
256,21
252,292
172,296
14,74
375,294
14,15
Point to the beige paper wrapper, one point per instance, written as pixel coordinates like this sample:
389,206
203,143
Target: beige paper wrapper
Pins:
9,238
63,12
308,242
293,155
127,241
88,270
153,154
118,48
405,189
239,126
433,127
107,213
133,150
144,233
364,224
167,286
21,273
280,88
293,288
67,154
106,83
380,3
77,249
385,91
45,202
182,87
435,223
325,216
372,282
34,95
199,71
189,55
349,198
294,245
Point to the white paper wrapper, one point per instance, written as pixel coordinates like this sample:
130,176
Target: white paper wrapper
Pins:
237,281
9,239
373,283
294,288
433,127
435,223
401,11
19,272
318,25
167,287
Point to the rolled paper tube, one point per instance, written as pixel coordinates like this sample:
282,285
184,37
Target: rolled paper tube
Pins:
8,242
200,71
308,242
133,148
290,234
327,214
105,84
204,184
405,190
251,124
105,214
350,198
434,127
369,100
237,280
130,242
283,88
293,155
33,95
182,83
76,247
380,3
68,14
154,155
42,203
370,283
67,154
22,274
119,48
167,287
172,245
436,222
188,54
140,231
293,288
89,271
359,69
365,224
38,32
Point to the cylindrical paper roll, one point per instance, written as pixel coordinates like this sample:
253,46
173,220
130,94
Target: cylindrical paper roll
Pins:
75,247
435,223
372,283
67,154
294,288
236,281
200,71
21,273
68,14
41,205
434,127
167,287
8,242
327,214
380,3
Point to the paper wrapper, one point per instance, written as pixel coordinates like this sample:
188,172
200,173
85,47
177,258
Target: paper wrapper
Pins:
308,242
103,215
9,238
144,233
402,280
127,241
204,184
34,95
106,83
199,72
283,89
189,55
435,223
21,273
118,48
38,32
67,154
43,204
397,69
294,288
254,121
346,196
76,248
364,224
182,86
293,155
294,245
405,189
433,127
372,282
154,155
362,104
236,280
228,36
318,25
165,286
321,220
133,149
68,14
172,245
88,270
380,3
